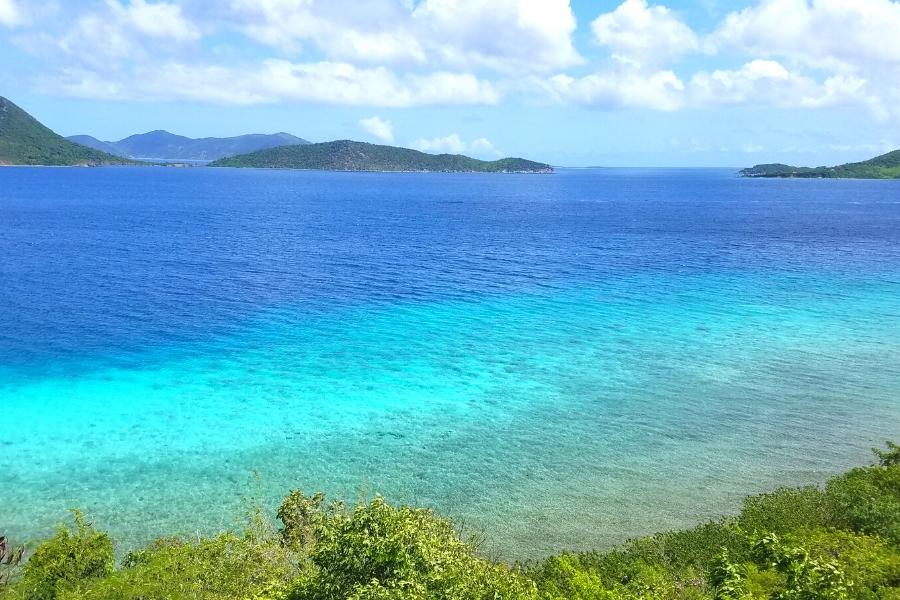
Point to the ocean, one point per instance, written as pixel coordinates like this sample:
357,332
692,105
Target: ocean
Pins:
554,361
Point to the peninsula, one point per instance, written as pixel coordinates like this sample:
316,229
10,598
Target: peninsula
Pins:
886,166
346,155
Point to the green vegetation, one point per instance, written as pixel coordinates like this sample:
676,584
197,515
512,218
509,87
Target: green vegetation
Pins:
886,166
24,141
837,542
345,155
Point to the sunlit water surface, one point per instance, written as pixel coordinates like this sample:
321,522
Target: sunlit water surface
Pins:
558,361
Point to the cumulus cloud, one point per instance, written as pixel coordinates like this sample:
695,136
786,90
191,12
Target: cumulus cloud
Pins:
370,32
162,20
9,13
768,82
659,90
453,144
641,34
378,128
406,53
278,80
503,35
450,144
839,35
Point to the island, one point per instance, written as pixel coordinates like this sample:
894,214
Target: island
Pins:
25,141
165,146
347,155
886,166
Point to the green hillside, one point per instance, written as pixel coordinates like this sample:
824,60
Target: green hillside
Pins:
346,155
886,166
25,141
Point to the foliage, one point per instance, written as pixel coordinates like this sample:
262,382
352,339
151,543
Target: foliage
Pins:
25,141
869,563
68,560
380,551
868,500
889,457
786,509
839,542
805,578
346,155
728,579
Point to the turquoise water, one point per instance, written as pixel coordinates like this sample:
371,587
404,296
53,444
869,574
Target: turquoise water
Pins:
572,409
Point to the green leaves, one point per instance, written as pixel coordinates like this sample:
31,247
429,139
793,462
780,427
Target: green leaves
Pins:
68,560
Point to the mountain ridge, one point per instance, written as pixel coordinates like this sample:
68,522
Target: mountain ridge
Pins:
349,155
163,145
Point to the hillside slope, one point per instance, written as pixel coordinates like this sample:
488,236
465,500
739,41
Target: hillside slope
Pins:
886,166
162,145
346,155
25,141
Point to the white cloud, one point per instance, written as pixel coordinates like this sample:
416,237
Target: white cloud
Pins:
406,53
767,82
277,80
839,35
159,20
642,35
660,90
9,13
482,147
453,144
370,32
504,35
379,128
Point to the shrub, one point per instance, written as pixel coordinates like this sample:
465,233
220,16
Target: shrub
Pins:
869,563
805,578
785,510
867,500
889,457
381,551
67,560
219,568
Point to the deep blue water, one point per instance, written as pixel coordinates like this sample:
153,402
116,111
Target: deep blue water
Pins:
560,361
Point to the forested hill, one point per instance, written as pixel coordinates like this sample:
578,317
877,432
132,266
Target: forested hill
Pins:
25,141
886,166
346,155
162,145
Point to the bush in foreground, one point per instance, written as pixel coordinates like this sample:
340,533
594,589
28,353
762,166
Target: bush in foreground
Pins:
840,542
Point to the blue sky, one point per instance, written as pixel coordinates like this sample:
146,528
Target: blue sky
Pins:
586,82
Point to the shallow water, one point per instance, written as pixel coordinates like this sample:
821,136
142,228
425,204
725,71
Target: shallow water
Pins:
558,361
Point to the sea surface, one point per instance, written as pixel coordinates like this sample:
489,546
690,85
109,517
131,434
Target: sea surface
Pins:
556,361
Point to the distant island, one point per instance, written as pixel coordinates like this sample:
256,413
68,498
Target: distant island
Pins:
347,155
25,141
886,166
162,145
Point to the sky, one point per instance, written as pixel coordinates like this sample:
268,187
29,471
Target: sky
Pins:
573,83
